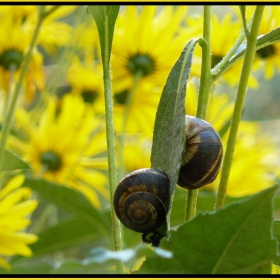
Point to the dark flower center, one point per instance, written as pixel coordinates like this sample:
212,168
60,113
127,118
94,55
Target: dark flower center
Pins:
141,63
51,161
121,97
11,57
266,51
89,96
215,59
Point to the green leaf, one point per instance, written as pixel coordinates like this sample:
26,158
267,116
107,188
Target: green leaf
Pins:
276,233
235,239
71,201
169,132
68,233
262,41
30,267
12,162
105,18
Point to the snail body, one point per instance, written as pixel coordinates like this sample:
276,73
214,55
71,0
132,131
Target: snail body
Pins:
202,154
141,199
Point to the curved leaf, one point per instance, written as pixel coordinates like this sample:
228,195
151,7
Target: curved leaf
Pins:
105,18
169,132
236,239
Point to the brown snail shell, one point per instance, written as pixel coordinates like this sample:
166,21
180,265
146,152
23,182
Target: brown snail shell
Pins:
202,154
141,199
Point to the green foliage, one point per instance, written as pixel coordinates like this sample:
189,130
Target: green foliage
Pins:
12,162
235,240
169,132
70,200
105,18
262,41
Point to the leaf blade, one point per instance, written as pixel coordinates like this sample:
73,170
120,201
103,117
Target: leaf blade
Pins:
222,242
167,151
71,201
12,162
105,18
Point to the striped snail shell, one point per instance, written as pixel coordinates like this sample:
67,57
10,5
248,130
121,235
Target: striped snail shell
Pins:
141,199
202,154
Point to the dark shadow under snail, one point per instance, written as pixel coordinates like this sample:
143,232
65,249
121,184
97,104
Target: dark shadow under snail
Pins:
141,199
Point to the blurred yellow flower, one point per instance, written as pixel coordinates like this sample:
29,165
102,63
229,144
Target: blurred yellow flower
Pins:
14,42
65,146
266,58
146,44
221,43
86,81
255,155
255,161
137,152
15,205
142,109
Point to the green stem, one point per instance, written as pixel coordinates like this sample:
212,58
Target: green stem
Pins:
111,147
237,113
230,53
204,90
137,78
9,119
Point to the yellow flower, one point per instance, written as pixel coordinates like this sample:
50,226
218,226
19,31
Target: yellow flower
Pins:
86,81
253,149
266,58
146,44
142,110
137,152
65,146
221,43
53,32
255,161
14,43
15,205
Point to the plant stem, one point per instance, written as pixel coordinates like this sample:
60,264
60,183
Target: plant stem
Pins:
246,68
204,90
111,147
9,119
137,78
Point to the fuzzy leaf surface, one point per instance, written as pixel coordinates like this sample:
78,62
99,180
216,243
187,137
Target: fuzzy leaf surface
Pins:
169,132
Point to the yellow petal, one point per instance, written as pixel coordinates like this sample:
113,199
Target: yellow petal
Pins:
4,264
13,184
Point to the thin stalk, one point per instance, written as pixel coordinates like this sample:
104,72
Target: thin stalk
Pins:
111,149
136,80
9,119
8,95
204,90
237,113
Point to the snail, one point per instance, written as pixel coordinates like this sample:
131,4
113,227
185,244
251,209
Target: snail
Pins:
141,202
202,154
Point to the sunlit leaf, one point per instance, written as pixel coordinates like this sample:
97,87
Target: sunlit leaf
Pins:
12,162
105,18
236,239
